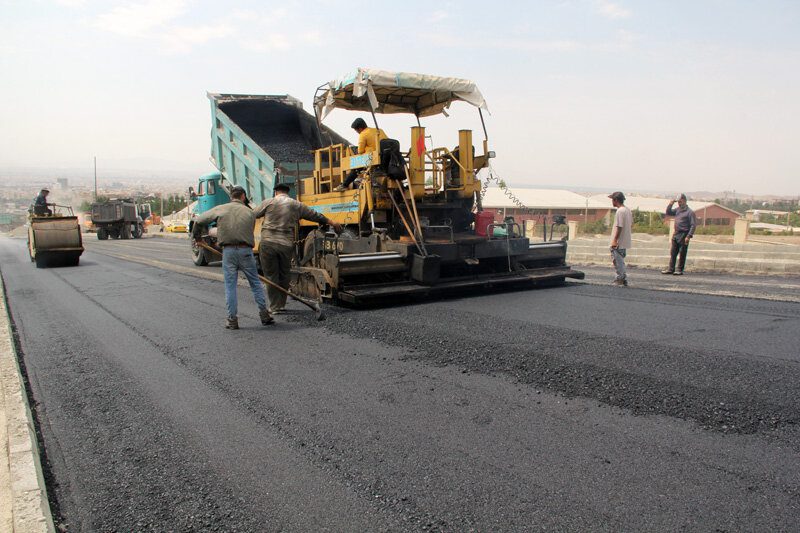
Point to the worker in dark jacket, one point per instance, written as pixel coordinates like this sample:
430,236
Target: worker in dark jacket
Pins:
281,215
235,223
685,224
40,206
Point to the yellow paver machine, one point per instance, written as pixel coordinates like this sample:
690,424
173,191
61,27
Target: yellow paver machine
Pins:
54,236
414,219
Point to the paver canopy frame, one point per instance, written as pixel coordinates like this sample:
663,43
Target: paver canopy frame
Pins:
380,91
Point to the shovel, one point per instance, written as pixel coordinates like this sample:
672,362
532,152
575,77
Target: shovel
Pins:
314,306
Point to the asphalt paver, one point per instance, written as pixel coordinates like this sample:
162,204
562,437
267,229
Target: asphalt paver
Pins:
574,408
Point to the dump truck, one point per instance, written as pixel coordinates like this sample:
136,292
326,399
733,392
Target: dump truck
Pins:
257,141
54,239
414,221
119,218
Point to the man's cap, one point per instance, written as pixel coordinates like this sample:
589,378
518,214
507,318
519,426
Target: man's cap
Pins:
237,190
617,195
282,187
45,190
358,123
681,196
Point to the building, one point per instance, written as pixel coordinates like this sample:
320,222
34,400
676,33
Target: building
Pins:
534,204
707,213
756,214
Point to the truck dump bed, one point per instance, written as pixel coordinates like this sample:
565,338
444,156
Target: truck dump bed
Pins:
257,141
113,211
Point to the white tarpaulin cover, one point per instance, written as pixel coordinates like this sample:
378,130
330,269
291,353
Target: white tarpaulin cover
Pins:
396,92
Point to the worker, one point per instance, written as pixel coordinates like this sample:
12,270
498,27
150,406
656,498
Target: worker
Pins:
235,222
367,139
620,237
281,215
40,205
685,224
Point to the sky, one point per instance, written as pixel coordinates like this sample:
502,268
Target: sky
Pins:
631,95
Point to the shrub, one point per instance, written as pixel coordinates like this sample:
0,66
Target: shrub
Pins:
592,228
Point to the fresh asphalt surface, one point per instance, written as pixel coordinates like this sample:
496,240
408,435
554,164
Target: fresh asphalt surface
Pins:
585,407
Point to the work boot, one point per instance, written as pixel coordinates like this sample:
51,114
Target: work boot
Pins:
340,188
678,273
266,318
232,323
620,282
278,311
667,271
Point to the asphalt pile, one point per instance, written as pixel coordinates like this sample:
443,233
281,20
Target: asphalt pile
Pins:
275,127
283,144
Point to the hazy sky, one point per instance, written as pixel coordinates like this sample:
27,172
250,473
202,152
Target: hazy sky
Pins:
673,95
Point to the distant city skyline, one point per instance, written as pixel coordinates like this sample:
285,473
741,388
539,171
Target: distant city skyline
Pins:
672,96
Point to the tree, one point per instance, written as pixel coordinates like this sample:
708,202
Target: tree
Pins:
86,205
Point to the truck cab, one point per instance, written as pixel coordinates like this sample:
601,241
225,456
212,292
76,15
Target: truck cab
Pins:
210,193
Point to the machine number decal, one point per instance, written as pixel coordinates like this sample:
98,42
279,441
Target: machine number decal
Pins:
333,246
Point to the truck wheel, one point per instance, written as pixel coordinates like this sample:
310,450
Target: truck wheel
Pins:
137,232
102,234
125,231
199,256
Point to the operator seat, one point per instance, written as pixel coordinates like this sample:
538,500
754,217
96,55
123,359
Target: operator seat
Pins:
392,161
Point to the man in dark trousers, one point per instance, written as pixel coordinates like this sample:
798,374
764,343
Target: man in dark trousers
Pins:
685,224
40,204
281,215
235,223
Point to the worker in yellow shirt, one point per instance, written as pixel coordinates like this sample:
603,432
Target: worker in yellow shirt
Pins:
367,140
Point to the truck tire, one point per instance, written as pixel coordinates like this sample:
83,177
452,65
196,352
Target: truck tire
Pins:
125,231
102,234
137,231
199,256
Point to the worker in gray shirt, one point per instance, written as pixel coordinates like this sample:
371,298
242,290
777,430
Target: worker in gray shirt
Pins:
235,223
281,216
620,237
685,224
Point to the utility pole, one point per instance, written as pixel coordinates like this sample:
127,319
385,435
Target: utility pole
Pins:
586,213
95,178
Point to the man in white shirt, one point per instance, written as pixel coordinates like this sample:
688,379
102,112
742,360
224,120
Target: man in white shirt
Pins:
620,236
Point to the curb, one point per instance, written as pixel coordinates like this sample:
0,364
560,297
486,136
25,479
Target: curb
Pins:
23,496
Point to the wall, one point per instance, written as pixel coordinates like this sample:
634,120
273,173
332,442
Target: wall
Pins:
715,215
576,215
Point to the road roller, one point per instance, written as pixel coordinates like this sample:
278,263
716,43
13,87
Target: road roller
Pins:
54,237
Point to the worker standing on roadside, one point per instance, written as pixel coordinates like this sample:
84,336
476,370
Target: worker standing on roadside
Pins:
235,222
367,139
281,215
620,236
685,224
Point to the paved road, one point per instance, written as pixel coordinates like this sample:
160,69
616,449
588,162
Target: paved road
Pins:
586,407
